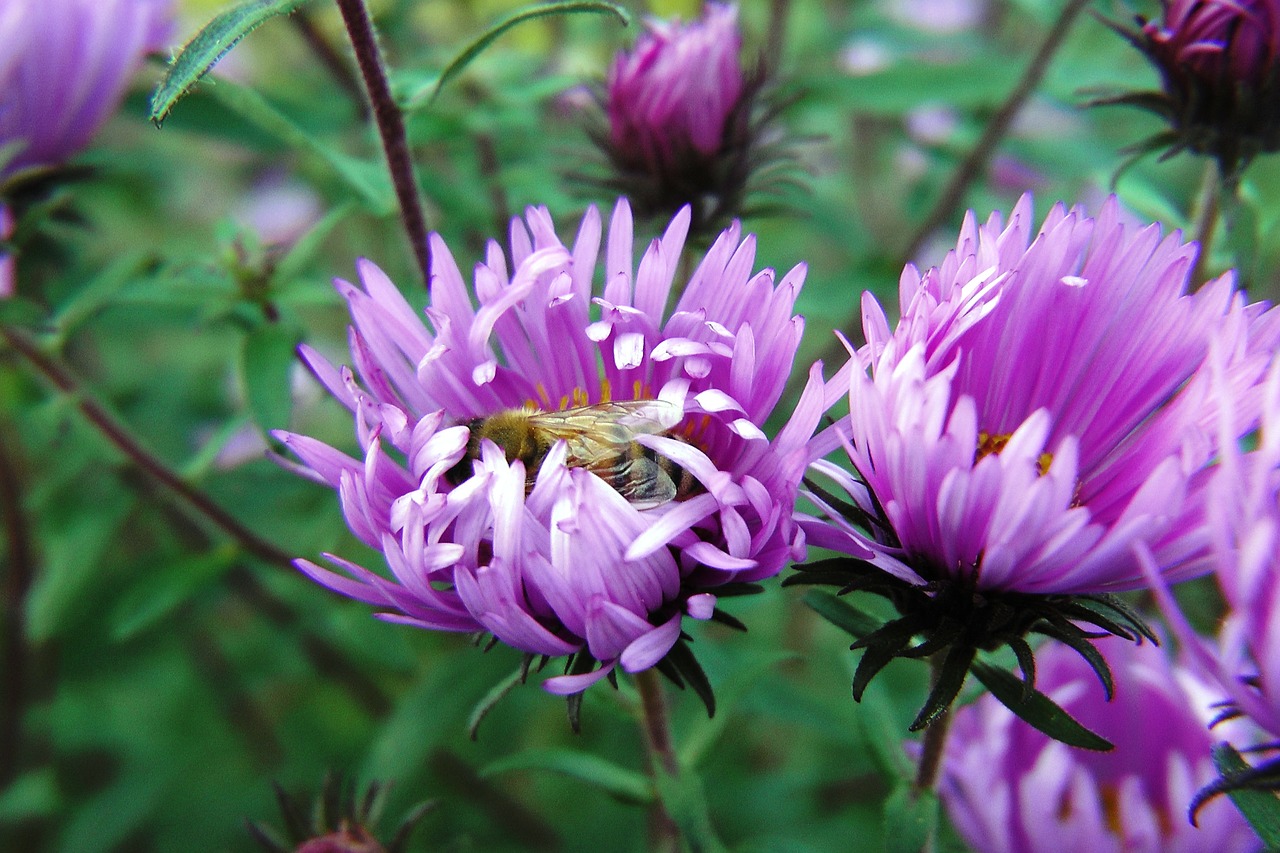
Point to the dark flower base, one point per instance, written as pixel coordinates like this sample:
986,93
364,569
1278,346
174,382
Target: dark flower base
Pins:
953,618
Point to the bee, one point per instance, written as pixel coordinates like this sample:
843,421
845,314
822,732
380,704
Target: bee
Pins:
600,438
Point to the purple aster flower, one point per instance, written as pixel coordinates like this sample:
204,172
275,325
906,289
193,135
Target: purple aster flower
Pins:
64,69
1219,62
536,548
1010,788
1044,404
682,121
1245,520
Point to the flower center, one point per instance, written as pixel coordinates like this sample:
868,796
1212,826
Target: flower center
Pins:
989,444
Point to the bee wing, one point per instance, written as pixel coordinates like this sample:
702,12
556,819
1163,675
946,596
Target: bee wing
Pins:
609,424
639,479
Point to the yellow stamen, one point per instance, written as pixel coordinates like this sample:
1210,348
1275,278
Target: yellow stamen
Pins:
989,444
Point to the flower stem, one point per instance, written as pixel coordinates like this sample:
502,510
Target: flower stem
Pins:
655,724
976,161
1208,209
934,745
115,432
19,560
390,122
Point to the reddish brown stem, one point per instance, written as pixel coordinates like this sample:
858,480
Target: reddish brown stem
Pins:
390,122
115,432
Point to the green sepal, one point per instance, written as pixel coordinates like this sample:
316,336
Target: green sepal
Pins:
1037,709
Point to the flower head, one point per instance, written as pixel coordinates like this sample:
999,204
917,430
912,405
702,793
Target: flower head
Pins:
1219,62
538,543
63,70
1009,787
681,123
340,821
1044,404
1245,520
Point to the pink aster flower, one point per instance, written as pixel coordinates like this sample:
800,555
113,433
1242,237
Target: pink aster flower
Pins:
1010,788
1043,405
64,69
542,553
1219,61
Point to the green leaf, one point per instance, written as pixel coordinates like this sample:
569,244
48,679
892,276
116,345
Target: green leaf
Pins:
33,794
1037,709
910,820
704,733
685,801
76,560
520,16
309,245
1260,808
98,292
492,698
841,613
369,180
626,785
209,45
266,363
164,587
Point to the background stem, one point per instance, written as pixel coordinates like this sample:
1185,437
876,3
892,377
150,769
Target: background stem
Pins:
390,122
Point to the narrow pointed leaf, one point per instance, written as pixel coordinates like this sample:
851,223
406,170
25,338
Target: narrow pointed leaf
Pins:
542,10
842,614
1037,709
955,667
1260,807
626,785
492,698
209,45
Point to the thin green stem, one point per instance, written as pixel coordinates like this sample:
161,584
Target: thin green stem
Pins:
933,748
1208,209
390,122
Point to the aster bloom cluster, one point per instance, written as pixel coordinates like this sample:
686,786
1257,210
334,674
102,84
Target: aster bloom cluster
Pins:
64,69
681,124
547,556
1043,405
1245,660
1010,788
1219,62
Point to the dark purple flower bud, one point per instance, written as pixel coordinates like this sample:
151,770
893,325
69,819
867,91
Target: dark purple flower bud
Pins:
685,121
670,100
347,840
1218,63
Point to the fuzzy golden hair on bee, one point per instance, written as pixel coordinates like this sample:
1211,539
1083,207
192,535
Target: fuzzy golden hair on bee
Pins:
599,438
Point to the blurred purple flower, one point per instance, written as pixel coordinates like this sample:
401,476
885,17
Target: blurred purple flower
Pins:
566,565
1010,788
1219,62
1042,405
8,281
63,70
